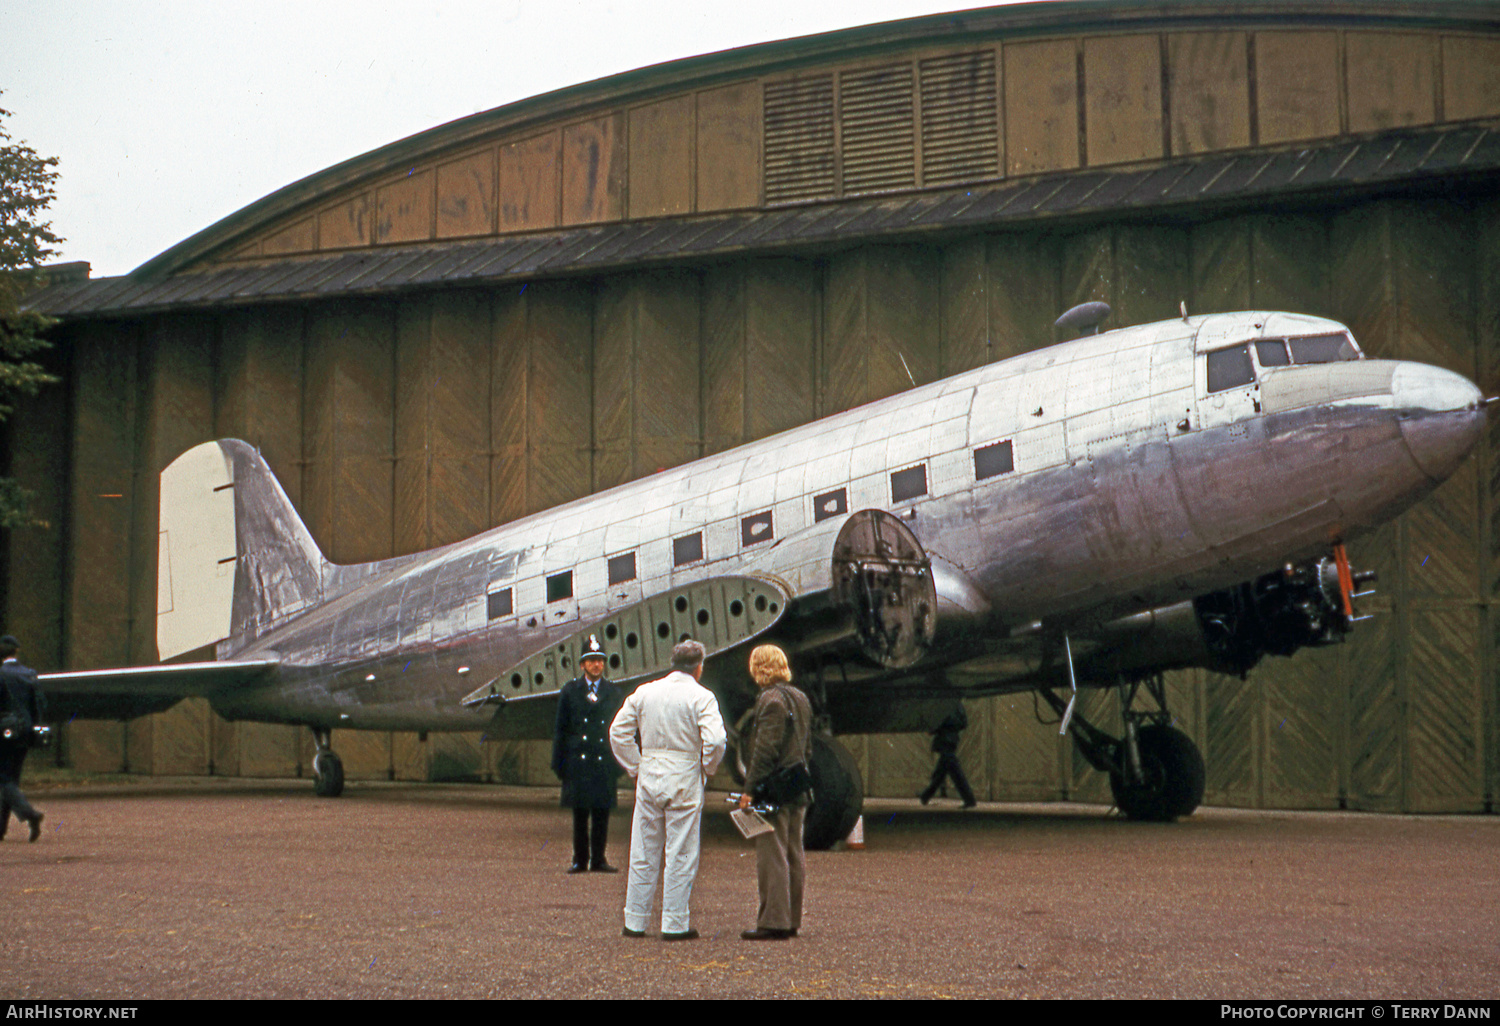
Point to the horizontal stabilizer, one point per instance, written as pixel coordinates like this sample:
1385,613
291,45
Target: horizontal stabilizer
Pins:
131,691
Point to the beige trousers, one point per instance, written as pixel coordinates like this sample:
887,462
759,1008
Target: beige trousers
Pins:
780,869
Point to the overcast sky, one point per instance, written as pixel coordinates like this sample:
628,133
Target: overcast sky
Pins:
168,116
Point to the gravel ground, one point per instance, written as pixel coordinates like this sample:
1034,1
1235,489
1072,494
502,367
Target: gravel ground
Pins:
257,889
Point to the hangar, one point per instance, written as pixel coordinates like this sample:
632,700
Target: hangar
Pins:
554,297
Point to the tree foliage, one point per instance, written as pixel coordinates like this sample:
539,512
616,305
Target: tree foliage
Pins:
26,191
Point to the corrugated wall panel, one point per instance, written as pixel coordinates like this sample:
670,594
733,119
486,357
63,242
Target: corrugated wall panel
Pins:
1303,726
1364,298
348,487
615,314
1025,757
801,144
964,308
723,357
1303,718
442,469
877,131
1291,258
510,357
177,369
36,435
1221,271
668,429
560,393
782,302
960,122
882,331
1023,279
1151,273
1231,751
542,424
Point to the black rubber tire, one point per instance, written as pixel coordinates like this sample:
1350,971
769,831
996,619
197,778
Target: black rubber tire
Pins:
838,795
328,775
1174,777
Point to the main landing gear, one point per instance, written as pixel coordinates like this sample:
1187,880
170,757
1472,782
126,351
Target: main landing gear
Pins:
838,790
327,767
838,794
1156,773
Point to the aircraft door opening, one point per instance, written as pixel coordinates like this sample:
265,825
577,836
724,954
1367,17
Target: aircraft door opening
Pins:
884,579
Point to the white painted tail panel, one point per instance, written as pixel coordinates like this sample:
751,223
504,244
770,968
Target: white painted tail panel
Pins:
196,558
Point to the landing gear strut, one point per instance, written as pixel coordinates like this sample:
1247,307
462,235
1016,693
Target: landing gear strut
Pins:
1156,773
328,769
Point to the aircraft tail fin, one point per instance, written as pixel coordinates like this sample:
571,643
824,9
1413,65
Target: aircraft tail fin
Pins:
234,557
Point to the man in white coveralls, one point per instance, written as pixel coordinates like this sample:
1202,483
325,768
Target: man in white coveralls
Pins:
681,742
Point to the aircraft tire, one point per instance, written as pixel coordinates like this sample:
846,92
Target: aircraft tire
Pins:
328,775
838,795
1174,777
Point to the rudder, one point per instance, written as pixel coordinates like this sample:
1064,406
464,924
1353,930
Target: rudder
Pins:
234,557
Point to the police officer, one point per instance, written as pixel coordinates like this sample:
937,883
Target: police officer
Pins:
582,759
20,709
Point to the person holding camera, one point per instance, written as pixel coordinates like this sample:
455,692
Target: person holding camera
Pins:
20,711
778,772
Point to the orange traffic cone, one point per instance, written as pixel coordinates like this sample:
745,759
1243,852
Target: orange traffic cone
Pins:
856,839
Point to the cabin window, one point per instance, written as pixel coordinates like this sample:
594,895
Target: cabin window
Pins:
993,460
500,603
1229,368
1322,348
909,483
830,504
622,568
1271,352
560,586
687,550
755,529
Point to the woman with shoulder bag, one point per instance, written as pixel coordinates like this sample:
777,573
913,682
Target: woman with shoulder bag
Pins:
777,770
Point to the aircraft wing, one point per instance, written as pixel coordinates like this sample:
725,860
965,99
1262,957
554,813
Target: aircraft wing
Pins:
131,691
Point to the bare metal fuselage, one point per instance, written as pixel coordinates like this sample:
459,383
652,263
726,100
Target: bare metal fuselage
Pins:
1132,487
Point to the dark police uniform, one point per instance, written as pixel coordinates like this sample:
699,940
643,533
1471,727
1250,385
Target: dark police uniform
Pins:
583,761
19,697
945,746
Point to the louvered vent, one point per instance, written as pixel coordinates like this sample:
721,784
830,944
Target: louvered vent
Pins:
959,137
799,139
876,118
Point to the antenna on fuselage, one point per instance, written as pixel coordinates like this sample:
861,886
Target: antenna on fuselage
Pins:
1082,320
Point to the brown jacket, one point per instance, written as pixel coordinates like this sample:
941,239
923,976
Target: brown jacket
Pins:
781,735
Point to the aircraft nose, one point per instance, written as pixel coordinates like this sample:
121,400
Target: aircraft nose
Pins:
1442,416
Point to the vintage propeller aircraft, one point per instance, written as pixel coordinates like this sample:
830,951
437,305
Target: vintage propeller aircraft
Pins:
1085,515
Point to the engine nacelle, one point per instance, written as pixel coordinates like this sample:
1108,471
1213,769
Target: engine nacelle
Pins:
1298,606
884,579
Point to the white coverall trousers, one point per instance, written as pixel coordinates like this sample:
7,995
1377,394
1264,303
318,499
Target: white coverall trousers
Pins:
664,836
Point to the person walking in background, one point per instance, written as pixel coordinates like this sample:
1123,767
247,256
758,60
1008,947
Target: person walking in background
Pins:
20,710
945,743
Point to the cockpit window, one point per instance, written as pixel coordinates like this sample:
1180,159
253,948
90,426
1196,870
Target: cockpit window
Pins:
1323,348
1271,352
1229,368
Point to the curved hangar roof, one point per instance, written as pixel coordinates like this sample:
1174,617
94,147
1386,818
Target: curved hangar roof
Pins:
949,122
